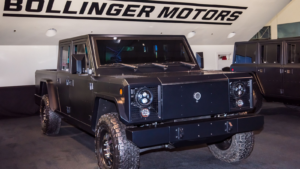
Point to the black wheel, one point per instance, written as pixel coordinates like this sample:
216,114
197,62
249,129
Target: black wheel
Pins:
257,100
234,149
50,121
113,150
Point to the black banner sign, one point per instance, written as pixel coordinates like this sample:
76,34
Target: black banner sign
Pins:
140,11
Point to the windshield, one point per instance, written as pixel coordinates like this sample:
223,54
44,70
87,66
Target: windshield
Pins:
141,51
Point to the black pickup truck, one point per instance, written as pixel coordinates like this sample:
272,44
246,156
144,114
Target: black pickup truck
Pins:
136,93
276,66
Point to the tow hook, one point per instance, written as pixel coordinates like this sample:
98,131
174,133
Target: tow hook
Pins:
228,126
180,133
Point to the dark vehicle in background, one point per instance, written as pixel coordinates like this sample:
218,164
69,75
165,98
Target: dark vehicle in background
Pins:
275,64
136,93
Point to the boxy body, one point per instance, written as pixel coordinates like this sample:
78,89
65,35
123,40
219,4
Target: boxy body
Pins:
274,63
200,104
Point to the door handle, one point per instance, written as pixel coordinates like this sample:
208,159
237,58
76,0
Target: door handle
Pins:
281,71
260,70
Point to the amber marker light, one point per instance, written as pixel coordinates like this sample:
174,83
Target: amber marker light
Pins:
121,92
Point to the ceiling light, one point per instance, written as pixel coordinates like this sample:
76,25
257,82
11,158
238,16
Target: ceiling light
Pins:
191,34
232,34
51,32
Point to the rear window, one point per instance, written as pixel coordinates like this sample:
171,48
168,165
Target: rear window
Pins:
245,53
293,53
270,53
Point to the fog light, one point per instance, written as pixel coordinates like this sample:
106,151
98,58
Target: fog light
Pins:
239,103
145,112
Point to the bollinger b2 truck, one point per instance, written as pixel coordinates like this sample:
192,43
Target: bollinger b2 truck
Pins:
137,93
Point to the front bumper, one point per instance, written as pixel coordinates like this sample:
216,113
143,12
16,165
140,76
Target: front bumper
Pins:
205,129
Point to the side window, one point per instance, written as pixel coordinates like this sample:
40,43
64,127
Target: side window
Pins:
245,53
293,53
65,58
270,53
82,64
80,49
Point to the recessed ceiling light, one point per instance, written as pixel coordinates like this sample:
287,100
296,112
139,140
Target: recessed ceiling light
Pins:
232,34
51,32
191,34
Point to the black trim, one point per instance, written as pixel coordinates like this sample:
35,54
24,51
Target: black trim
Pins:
183,3
193,130
112,19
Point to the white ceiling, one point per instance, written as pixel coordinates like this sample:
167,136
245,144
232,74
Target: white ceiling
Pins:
31,31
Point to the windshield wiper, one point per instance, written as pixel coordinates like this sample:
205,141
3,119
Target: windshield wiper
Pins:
165,67
135,68
188,64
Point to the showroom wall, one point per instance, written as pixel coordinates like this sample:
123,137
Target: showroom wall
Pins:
289,14
19,63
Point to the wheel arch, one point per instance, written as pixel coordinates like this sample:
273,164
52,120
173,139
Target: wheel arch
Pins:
105,103
258,82
47,87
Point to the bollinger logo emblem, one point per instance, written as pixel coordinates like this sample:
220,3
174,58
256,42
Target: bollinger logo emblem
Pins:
197,96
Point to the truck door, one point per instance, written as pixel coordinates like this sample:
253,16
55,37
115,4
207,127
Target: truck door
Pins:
63,78
269,69
81,92
291,77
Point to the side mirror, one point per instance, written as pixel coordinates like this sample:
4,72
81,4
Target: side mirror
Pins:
78,63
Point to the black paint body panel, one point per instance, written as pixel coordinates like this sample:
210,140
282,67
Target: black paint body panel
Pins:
178,101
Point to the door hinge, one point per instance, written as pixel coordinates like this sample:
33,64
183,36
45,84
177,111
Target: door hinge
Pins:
68,109
69,82
281,91
91,86
58,80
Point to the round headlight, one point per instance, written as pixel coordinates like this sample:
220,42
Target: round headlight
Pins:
238,89
239,103
145,112
144,97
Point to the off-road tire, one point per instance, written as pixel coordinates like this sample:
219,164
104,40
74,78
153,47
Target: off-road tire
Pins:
125,153
50,121
257,100
240,148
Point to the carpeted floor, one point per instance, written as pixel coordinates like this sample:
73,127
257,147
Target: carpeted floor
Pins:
22,146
